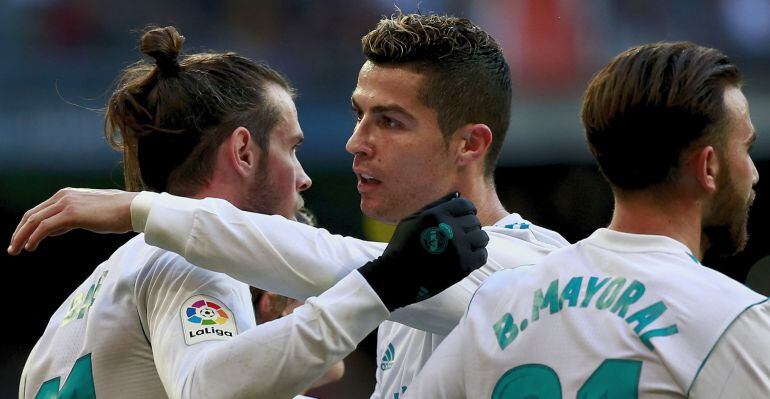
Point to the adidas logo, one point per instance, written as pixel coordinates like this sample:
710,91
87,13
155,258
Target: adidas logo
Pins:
387,360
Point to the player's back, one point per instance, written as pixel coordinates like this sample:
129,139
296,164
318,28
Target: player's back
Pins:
615,314
97,332
99,343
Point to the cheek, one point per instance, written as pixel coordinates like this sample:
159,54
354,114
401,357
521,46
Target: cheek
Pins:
424,167
282,174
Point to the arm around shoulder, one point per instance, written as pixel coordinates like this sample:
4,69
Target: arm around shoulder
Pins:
268,252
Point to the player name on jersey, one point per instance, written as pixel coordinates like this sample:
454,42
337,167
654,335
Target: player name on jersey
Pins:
612,294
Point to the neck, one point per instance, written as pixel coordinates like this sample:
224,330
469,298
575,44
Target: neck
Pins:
483,194
220,191
649,213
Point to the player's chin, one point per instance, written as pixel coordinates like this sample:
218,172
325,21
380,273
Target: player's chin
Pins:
379,211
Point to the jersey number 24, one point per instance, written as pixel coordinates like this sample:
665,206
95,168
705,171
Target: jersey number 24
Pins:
79,384
614,378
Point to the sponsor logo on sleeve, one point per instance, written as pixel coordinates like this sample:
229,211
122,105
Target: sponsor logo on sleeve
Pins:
206,319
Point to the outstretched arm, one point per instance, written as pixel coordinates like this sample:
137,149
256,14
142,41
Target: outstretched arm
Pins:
268,252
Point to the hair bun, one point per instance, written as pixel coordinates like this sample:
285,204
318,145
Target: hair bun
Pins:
164,45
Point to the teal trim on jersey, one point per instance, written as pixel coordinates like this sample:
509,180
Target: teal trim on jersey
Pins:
517,226
151,261
697,373
694,259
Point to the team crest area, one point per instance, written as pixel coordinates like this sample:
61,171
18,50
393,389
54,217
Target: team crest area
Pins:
205,319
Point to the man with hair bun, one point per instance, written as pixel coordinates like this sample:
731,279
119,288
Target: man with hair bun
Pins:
630,311
432,107
148,324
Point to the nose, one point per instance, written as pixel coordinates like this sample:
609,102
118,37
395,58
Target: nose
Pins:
756,173
359,142
303,180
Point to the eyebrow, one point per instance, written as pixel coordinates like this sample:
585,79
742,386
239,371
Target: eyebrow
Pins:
379,109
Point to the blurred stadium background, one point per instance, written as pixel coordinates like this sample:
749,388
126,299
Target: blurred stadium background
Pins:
60,58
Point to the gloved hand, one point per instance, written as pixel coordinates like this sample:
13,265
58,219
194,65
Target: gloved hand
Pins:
431,250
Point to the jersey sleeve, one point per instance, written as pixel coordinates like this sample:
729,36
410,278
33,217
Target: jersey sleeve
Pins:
276,359
280,255
738,365
443,374
268,252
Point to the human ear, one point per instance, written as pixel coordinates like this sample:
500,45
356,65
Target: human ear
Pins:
474,140
705,165
240,151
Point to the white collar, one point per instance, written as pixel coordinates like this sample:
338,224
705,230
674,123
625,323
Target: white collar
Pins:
512,218
628,242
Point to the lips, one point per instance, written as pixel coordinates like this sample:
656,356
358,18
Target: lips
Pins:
366,180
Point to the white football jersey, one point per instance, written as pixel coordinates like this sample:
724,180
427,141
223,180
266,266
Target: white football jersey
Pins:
616,315
106,337
299,260
148,324
403,351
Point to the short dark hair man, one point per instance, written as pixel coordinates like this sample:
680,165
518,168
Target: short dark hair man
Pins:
630,311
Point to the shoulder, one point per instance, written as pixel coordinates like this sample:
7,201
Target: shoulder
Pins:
501,286
514,226
160,268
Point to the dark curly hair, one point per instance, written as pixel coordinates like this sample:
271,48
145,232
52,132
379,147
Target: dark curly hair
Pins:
467,79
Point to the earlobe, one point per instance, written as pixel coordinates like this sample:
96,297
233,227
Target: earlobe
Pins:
706,165
474,141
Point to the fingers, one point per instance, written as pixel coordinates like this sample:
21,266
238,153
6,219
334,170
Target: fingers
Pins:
51,226
50,201
33,224
478,239
468,223
481,255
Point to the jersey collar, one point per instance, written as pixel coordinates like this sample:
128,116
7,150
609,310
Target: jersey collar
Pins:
627,242
511,219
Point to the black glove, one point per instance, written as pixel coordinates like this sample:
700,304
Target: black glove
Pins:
431,250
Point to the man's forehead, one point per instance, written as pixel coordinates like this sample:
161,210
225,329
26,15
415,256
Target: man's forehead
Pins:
387,86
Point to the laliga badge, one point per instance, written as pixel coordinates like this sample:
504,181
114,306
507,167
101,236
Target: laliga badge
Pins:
206,319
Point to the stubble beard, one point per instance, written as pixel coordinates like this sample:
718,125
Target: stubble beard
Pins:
728,234
262,197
